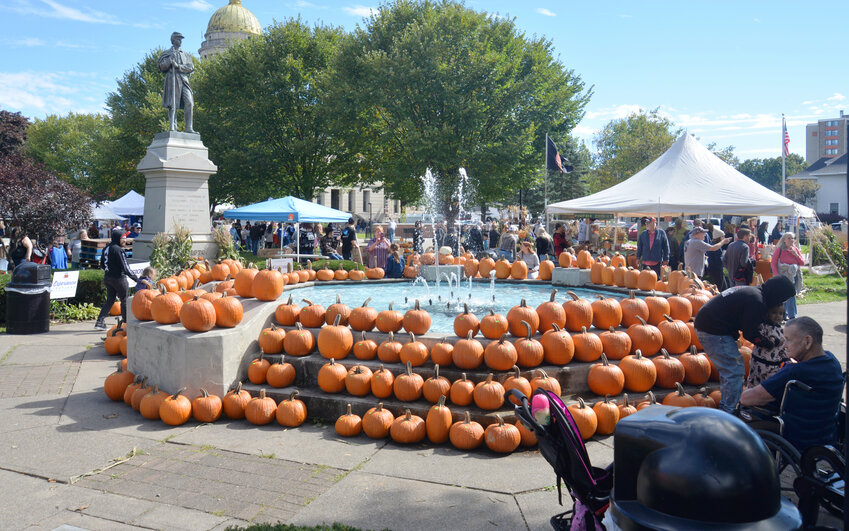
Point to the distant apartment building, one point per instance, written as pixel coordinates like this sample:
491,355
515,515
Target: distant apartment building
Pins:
825,139
369,203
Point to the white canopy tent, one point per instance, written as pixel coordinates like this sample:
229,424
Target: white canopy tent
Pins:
687,179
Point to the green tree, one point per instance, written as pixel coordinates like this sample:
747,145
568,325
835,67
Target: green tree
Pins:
768,171
74,148
802,191
726,154
627,145
563,186
263,113
435,85
137,115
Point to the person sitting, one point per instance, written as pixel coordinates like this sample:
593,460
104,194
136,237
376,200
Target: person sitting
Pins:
394,263
328,243
527,255
146,279
810,418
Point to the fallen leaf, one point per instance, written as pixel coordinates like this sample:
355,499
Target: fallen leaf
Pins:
81,508
110,416
51,480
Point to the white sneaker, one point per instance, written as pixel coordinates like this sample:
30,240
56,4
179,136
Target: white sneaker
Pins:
100,325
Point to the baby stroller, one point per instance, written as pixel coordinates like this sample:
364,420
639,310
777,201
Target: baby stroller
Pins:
560,443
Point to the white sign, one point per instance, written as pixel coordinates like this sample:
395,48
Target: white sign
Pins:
137,268
282,263
64,284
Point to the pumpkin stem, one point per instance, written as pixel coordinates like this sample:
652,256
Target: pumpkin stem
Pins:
693,350
652,399
491,312
664,353
463,376
604,360
606,399
409,369
349,410
625,402
581,403
298,325
441,402
338,298
679,388
469,335
584,329
467,418
641,320
309,302
337,319
555,327
408,415
238,388
418,307
379,406
518,372
365,302
332,361
573,295
294,395
489,378
631,294
181,391
530,332
203,392
262,394
412,338
670,319
391,336
390,305
363,335
502,338
539,373
523,304
501,419
436,371
638,354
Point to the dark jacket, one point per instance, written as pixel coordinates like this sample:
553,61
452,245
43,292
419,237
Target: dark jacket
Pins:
743,308
394,269
659,251
113,259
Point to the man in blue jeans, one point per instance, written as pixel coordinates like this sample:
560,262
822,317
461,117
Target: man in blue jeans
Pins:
720,321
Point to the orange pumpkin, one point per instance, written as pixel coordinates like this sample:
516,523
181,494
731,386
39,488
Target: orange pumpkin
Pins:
442,353
363,318
268,285
414,352
298,342
365,349
340,309
389,320
165,308
640,373
546,269
377,421
658,307
679,398
605,379
493,326
606,313
462,391
615,343
335,341
585,418
529,351
579,313
312,315
520,313
585,259
467,353
436,387
243,282
519,270
197,315
466,322
228,311
670,371
676,335
489,394
541,380
408,385
645,337
389,351
607,415
382,381
588,346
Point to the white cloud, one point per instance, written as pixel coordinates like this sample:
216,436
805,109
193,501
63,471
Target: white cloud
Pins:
837,97
53,9
308,5
37,94
546,12
584,131
29,42
73,45
613,112
195,5
360,11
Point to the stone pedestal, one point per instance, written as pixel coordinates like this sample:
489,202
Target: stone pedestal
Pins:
429,272
571,276
177,169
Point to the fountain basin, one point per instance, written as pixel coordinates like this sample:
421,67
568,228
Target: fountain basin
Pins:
429,272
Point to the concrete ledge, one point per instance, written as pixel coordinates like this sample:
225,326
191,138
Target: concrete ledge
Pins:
571,276
429,272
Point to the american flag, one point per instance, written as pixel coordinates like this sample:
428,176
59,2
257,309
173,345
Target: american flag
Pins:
786,152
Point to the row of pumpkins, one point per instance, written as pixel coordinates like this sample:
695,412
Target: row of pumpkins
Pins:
555,346
439,427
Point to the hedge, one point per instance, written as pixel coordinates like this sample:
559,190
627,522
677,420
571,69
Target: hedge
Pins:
90,289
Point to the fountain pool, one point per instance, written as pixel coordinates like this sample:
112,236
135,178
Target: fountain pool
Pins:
404,295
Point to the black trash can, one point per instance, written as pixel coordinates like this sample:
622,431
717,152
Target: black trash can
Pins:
28,299
696,469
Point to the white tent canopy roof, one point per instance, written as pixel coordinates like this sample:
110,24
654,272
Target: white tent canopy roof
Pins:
687,178
130,204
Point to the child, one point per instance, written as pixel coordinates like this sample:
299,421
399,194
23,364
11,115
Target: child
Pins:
766,362
148,275
394,263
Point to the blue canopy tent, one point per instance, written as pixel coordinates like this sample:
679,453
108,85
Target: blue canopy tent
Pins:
288,209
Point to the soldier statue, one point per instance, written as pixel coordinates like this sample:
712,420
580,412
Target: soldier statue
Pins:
177,66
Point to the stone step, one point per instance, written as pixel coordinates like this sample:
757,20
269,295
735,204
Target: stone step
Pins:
571,377
329,406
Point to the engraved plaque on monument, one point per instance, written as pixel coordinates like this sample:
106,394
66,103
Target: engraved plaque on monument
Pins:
176,167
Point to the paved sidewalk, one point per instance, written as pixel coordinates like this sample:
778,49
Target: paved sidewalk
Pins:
69,456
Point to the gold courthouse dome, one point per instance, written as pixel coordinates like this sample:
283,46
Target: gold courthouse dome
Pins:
234,18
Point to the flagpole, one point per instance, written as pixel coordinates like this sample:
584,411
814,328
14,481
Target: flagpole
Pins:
545,189
783,154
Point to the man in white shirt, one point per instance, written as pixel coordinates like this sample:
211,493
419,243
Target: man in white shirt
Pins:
391,230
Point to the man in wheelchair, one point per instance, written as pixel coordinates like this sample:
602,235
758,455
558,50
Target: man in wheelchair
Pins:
804,413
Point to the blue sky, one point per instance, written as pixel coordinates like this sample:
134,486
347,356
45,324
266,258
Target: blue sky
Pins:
724,70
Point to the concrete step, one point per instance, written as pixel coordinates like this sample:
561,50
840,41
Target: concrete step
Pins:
329,406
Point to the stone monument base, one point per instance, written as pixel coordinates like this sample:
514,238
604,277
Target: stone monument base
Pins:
176,168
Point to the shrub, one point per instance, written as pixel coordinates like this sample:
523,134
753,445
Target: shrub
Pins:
90,291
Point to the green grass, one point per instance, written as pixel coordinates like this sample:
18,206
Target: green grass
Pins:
822,288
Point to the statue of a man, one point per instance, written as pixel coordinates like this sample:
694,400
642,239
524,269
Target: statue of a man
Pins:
177,66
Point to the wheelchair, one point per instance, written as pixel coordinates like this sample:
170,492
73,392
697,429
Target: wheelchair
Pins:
813,476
